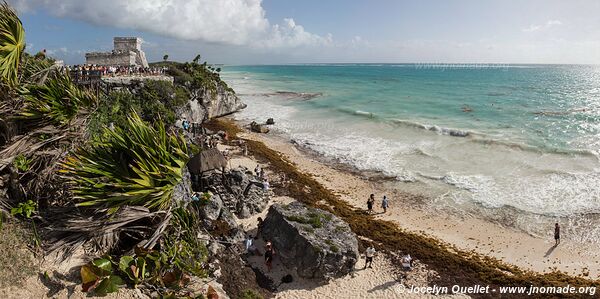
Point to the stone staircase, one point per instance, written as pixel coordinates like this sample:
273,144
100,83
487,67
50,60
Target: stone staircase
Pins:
229,200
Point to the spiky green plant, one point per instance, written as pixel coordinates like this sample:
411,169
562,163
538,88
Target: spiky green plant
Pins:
12,44
55,102
137,165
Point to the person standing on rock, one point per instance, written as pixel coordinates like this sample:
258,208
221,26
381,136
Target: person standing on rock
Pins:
250,248
369,254
269,252
556,234
370,203
257,170
384,204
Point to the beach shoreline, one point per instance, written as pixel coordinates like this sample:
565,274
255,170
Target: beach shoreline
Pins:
471,235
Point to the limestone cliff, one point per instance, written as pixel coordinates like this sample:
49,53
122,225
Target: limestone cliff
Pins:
211,102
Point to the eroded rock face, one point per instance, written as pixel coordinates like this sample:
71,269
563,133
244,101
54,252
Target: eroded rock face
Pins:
212,209
252,198
241,193
315,242
206,104
182,192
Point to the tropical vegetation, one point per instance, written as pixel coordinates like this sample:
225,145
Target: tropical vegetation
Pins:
12,44
135,165
99,172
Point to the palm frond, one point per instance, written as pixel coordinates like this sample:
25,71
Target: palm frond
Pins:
138,165
12,44
70,228
57,102
34,70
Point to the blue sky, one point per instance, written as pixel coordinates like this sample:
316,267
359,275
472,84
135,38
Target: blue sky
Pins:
285,31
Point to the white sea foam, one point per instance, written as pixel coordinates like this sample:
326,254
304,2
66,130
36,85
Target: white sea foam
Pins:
478,169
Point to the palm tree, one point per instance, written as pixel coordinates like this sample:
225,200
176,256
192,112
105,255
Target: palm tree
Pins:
138,165
166,57
12,44
57,102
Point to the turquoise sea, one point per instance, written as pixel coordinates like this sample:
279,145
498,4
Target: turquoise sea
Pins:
517,144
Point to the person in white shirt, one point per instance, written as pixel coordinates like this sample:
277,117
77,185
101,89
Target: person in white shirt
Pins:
250,248
370,253
406,262
257,171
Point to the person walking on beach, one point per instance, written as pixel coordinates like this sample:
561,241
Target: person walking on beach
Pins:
384,204
556,234
370,203
369,254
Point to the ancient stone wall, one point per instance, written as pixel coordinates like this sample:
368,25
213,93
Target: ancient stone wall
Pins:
127,44
111,59
127,52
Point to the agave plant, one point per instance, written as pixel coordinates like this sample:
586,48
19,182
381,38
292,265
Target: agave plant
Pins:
12,44
138,165
57,102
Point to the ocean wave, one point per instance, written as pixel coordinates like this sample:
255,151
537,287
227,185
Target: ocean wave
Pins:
305,96
555,195
434,128
364,113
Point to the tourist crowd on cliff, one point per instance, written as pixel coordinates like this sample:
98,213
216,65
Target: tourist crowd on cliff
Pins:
84,71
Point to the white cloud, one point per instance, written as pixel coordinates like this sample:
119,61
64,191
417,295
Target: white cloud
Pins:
234,22
553,22
290,34
548,24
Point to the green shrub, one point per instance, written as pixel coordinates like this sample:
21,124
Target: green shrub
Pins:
24,209
22,163
251,294
314,219
157,100
57,102
136,165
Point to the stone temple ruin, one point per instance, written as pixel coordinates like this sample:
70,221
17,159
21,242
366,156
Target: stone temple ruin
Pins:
127,52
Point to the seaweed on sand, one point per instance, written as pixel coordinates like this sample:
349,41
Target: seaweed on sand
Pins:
456,267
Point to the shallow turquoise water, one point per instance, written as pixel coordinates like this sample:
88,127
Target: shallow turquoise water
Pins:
544,106
500,138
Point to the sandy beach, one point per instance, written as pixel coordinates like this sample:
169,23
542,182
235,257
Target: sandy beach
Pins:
465,233
383,280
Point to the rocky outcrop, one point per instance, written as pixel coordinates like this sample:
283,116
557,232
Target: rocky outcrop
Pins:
182,192
212,209
133,81
315,242
207,103
252,197
241,192
258,128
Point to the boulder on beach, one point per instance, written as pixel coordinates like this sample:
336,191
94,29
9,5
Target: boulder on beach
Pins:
270,121
314,242
258,128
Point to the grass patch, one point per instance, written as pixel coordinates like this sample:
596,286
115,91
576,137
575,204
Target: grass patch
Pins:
17,262
313,219
251,294
332,246
453,265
